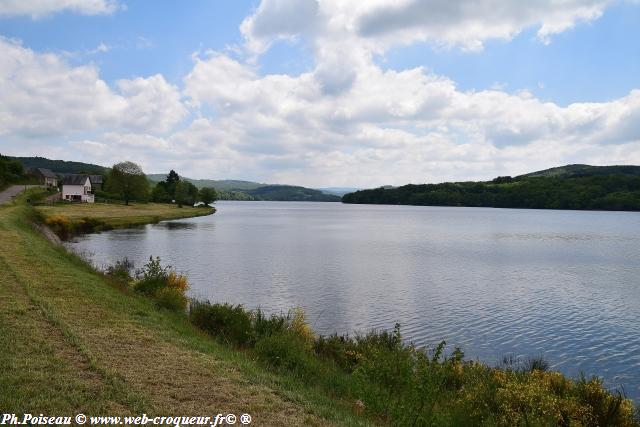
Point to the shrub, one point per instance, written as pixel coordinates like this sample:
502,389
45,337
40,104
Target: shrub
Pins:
266,326
177,282
150,286
165,285
231,324
61,225
120,271
339,348
152,277
298,326
286,351
171,298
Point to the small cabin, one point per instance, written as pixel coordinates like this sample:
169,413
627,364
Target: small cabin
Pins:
77,188
46,177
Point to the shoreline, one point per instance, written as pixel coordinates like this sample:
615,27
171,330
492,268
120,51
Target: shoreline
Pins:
106,356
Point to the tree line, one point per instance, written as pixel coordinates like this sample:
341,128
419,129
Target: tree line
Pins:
613,192
127,181
11,171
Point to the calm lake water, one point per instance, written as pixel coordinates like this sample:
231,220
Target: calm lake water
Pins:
563,284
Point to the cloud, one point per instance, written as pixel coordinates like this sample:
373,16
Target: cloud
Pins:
346,122
279,19
380,24
469,23
43,96
392,126
39,8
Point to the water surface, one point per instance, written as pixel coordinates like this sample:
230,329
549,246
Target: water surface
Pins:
563,284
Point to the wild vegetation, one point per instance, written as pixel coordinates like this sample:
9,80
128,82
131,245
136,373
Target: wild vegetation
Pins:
389,380
602,192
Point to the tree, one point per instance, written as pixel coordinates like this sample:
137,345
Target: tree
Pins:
129,181
186,193
207,195
10,170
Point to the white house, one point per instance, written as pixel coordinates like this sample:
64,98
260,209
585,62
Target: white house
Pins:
77,188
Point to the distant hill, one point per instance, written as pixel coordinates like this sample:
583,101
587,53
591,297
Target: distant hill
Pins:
222,184
231,189
337,191
584,170
580,187
61,166
291,193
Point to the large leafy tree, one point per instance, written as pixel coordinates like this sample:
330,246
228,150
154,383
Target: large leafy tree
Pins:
207,195
129,181
186,193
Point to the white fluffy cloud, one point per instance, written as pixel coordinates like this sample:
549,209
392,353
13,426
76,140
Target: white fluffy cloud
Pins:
347,121
38,8
394,127
380,24
43,96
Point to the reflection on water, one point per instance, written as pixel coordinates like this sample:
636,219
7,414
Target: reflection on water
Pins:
563,284
176,225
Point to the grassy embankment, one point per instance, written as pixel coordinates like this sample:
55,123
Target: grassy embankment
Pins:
134,357
73,342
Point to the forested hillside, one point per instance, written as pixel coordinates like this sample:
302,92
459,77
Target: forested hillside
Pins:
61,166
612,188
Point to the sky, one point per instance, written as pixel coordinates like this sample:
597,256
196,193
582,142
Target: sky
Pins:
323,92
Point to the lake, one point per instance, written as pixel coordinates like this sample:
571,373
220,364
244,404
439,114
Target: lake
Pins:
496,282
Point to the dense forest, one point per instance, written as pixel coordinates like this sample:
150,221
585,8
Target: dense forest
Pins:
61,166
579,189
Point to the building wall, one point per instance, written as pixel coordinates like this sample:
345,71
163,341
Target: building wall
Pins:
71,192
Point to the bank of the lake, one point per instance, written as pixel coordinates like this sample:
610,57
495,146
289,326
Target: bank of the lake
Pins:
109,350
75,343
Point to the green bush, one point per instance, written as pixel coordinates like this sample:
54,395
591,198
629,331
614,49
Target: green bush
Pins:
152,277
400,383
150,286
231,324
171,298
120,271
266,326
288,352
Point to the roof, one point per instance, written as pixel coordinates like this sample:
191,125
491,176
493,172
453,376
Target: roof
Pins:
47,173
95,179
74,179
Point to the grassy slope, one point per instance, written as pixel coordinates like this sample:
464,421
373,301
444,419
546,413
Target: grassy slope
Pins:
117,215
74,343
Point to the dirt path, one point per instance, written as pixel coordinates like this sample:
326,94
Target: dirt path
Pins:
14,190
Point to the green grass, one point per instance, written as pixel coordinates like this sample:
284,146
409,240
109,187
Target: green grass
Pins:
73,342
118,215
